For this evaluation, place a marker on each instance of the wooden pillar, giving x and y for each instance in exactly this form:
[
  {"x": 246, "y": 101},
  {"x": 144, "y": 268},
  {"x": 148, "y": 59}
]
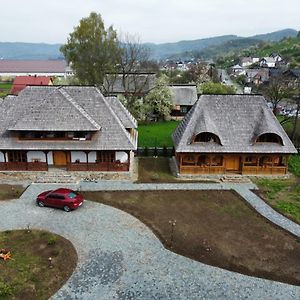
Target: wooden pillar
[{"x": 5, "y": 153}]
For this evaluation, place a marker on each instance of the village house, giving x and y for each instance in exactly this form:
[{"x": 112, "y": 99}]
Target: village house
[
  {"x": 20, "y": 82},
  {"x": 52, "y": 68},
  {"x": 257, "y": 76},
  {"x": 231, "y": 134},
  {"x": 183, "y": 98},
  {"x": 138, "y": 84},
  {"x": 71, "y": 127},
  {"x": 268, "y": 62}
]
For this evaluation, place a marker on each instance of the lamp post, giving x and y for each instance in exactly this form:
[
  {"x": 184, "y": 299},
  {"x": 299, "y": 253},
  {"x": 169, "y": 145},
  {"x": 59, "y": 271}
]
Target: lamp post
[{"x": 173, "y": 224}]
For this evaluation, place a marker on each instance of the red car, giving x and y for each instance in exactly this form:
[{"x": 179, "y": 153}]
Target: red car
[{"x": 62, "y": 198}]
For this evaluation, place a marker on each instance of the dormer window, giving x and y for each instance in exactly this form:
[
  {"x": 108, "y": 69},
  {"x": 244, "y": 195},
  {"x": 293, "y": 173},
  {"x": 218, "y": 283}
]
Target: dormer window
[
  {"x": 207, "y": 137},
  {"x": 269, "y": 138}
]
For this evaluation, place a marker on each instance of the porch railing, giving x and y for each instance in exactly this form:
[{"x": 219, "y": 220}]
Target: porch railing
[{"x": 23, "y": 166}]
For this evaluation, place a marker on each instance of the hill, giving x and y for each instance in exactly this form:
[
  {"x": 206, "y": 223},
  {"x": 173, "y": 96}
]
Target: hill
[
  {"x": 29, "y": 51},
  {"x": 208, "y": 48}
]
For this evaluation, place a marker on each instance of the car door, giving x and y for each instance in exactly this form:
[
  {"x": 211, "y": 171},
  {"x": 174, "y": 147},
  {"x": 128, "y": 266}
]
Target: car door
[{"x": 50, "y": 200}]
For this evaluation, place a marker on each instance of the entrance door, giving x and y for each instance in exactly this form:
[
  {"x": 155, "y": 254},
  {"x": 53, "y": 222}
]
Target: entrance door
[
  {"x": 232, "y": 163},
  {"x": 60, "y": 158}
]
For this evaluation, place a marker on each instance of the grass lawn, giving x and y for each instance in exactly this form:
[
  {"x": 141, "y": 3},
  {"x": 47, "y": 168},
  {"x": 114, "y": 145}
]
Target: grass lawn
[
  {"x": 283, "y": 194},
  {"x": 213, "y": 227},
  {"x": 156, "y": 134},
  {"x": 28, "y": 275},
  {"x": 8, "y": 192},
  {"x": 155, "y": 170},
  {"x": 5, "y": 88}
]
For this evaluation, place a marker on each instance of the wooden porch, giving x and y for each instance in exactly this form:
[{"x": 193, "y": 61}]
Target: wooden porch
[{"x": 195, "y": 163}]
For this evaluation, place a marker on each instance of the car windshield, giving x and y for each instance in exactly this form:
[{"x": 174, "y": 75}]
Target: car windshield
[{"x": 72, "y": 195}]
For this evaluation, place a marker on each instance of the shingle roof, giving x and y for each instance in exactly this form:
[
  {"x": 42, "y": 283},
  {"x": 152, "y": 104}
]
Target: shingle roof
[
  {"x": 123, "y": 114},
  {"x": 183, "y": 94},
  {"x": 20, "y": 82},
  {"x": 134, "y": 83},
  {"x": 68, "y": 108},
  {"x": 237, "y": 120}
]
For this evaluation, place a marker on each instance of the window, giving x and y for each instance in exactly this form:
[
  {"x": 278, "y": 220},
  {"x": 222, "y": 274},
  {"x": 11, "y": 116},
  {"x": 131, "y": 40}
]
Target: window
[
  {"x": 217, "y": 160},
  {"x": 269, "y": 138},
  {"x": 201, "y": 160},
  {"x": 207, "y": 137},
  {"x": 188, "y": 160},
  {"x": 105, "y": 156},
  {"x": 17, "y": 156},
  {"x": 183, "y": 109},
  {"x": 72, "y": 195}
]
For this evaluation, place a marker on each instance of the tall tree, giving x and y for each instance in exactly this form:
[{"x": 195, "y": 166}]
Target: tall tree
[
  {"x": 275, "y": 91},
  {"x": 159, "y": 98},
  {"x": 92, "y": 50}
]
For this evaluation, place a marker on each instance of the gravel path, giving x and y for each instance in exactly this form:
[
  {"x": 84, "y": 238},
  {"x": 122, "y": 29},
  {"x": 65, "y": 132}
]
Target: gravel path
[{"x": 120, "y": 258}]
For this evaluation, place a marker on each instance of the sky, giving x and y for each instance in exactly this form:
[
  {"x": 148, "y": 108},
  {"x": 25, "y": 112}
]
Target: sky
[{"x": 155, "y": 21}]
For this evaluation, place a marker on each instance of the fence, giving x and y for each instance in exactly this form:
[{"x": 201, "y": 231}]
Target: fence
[{"x": 155, "y": 151}]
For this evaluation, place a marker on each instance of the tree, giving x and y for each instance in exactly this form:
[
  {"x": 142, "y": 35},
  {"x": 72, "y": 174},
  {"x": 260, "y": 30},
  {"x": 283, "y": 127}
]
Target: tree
[
  {"x": 275, "y": 91},
  {"x": 215, "y": 88},
  {"x": 159, "y": 98},
  {"x": 92, "y": 50}
]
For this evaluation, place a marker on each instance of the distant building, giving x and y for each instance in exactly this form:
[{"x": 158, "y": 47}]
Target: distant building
[
  {"x": 268, "y": 62},
  {"x": 183, "y": 98},
  {"x": 13, "y": 68},
  {"x": 20, "y": 82},
  {"x": 129, "y": 83}
]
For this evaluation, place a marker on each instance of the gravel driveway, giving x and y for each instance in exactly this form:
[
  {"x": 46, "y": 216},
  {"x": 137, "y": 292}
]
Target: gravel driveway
[{"x": 120, "y": 258}]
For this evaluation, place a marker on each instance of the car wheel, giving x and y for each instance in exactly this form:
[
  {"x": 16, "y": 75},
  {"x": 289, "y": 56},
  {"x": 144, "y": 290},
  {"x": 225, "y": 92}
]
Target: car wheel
[
  {"x": 67, "y": 208},
  {"x": 41, "y": 204}
]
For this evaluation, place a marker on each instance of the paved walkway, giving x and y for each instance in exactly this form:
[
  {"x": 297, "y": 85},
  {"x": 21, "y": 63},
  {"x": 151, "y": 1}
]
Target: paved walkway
[{"x": 120, "y": 258}]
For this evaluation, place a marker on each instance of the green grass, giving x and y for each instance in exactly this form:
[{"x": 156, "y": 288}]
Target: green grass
[
  {"x": 5, "y": 88},
  {"x": 294, "y": 164},
  {"x": 156, "y": 134},
  {"x": 283, "y": 195}
]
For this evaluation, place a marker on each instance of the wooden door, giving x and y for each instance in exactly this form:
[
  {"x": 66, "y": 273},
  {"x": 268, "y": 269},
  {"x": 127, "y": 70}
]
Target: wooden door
[
  {"x": 59, "y": 158},
  {"x": 232, "y": 163}
]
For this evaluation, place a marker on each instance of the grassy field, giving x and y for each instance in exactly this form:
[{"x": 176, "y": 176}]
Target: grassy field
[
  {"x": 156, "y": 134},
  {"x": 213, "y": 227},
  {"x": 5, "y": 88},
  {"x": 284, "y": 194},
  {"x": 29, "y": 275}
]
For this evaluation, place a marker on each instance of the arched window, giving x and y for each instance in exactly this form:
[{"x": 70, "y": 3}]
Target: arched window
[
  {"x": 207, "y": 137},
  {"x": 269, "y": 138}
]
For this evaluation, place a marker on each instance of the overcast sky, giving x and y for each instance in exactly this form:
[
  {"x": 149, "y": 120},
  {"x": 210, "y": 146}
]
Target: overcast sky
[{"x": 152, "y": 20}]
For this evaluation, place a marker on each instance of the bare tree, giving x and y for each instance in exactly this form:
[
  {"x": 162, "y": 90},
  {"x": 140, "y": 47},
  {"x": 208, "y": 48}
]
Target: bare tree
[{"x": 135, "y": 76}]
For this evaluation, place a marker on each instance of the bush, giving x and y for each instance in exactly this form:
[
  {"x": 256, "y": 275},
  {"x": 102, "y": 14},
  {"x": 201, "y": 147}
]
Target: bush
[
  {"x": 5, "y": 289},
  {"x": 52, "y": 240},
  {"x": 294, "y": 164}
]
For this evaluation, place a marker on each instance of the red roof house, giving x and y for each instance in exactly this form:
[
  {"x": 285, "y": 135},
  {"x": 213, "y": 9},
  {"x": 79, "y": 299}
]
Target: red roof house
[{"x": 20, "y": 82}]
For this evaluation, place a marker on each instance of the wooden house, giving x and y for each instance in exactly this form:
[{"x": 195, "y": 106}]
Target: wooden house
[
  {"x": 70, "y": 127},
  {"x": 183, "y": 98},
  {"x": 231, "y": 134}
]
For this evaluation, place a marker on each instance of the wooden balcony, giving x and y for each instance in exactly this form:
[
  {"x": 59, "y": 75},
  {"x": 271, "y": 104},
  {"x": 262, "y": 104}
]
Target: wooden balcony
[
  {"x": 99, "y": 167},
  {"x": 23, "y": 166}
]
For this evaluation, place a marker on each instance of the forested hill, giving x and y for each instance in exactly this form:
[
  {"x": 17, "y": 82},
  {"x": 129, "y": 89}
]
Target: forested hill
[
  {"x": 207, "y": 48},
  {"x": 288, "y": 48}
]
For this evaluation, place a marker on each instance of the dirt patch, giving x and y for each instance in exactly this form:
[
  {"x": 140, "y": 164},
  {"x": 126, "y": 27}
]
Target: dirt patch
[
  {"x": 157, "y": 170},
  {"x": 8, "y": 192},
  {"x": 214, "y": 227},
  {"x": 29, "y": 274}
]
